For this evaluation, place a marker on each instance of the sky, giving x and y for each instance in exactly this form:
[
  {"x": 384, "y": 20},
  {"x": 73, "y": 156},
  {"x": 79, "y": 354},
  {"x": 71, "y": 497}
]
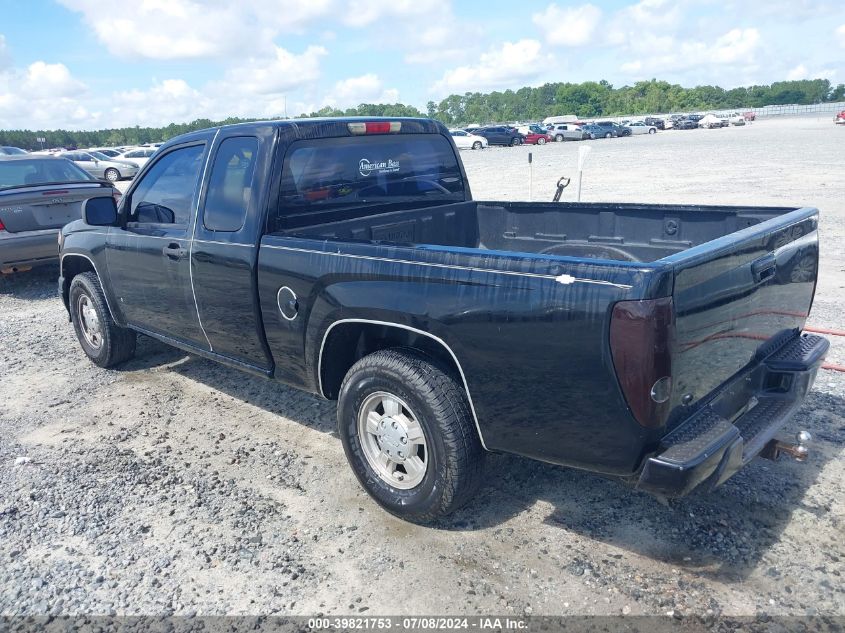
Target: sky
[{"x": 83, "y": 64}]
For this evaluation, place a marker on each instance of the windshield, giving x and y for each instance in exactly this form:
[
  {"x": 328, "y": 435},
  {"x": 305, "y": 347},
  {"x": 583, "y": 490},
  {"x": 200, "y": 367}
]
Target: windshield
[
  {"x": 12, "y": 151},
  {"x": 14, "y": 173},
  {"x": 335, "y": 173}
]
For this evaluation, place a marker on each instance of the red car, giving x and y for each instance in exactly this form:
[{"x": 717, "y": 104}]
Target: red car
[
  {"x": 839, "y": 119},
  {"x": 535, "y": 135}
]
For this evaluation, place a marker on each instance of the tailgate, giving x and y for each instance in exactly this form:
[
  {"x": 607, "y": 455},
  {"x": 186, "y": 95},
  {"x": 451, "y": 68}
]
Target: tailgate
[
  {"x": 50, "y": 206},
  {"x": 737, "y": 297}
]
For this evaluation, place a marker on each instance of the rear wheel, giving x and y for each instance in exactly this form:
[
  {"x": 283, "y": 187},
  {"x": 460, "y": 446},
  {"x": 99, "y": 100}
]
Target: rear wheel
[
  {"x": 609, "y": 135},
  {"x": 541, "y": 141},
  {"x": 476, "y": 145},
  {"x": 102, "y": 340},
  {"x": 112, "y": 174},
  {"x": 408, "y": 435},
  {"x": 651, "y": 130}
]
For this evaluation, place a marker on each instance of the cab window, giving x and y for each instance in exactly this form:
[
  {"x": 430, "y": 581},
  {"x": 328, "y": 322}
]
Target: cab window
[
  {"x": 230, "y": 184},
  {"x": 166, "y": 193}
]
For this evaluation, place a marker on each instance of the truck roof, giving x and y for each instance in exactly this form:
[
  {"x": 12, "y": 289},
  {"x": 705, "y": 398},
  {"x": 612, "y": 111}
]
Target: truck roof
[{"x": 316, "y": 127}]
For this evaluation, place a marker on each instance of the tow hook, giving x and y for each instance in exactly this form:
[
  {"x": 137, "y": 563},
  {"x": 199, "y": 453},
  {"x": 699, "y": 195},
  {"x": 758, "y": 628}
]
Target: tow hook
[{"x": 775, "y": 447}]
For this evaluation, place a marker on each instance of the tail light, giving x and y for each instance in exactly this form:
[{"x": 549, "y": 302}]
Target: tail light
[
  {"x": 117, "y": 195},
  {"x": 641, "y": 338},
  {"x": 374, "y": 127},
  {"x": 2, "y": 226}
]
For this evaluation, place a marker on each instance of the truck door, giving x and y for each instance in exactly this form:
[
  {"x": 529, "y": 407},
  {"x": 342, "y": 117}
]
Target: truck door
[
  {"x": 225, "y": 249},
  {"x": 148, "y": 258}
]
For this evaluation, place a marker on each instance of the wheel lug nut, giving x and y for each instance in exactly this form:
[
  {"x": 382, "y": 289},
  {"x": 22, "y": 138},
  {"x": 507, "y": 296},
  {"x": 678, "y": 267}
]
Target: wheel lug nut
[{"x": 404, "y": 440}]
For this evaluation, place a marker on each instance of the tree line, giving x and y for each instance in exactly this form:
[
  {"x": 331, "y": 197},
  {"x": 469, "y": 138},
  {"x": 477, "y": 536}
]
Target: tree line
[{"x": 588, "y": 99}]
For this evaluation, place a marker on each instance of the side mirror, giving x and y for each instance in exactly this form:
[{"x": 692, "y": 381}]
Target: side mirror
[{"x": 100, "y": 211}]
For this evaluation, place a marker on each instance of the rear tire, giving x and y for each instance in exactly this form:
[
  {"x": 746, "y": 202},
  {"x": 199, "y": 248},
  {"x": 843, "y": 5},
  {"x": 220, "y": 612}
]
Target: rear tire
[
  {"x": 112, "y": 175},
  {"x": 541, "y": 141},
  {"x": 609, "y": 135},
  {"x": 103, "y": 341},
  {"x": 652, "y": 131},
  {"x": 409, "y": 388}
]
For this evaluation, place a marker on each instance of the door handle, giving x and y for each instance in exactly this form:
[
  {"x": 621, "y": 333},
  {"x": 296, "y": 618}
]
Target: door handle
[
  {"x": 763, "y": 268},
  {"x": 174, "y": 251}
]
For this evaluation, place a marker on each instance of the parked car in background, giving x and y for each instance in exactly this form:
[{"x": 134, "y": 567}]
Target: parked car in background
[
  {"x": 749, "y": 116},
  {"x": 500, "y": 135},
  {"x": 102, "y": 166},
  {"x": 839, "y": 119},
  {"x": 8, "y": 150},
  {"x": 622, "y": 130},
  {"x": 656, "y": 122},
  {"x": 465, "y": 140},
  {"x": 534, "y": 135},
  {"x": 685, "y": 124},
  {"x": 736, "y": 119},
  {"x": 596, "y": 131},
  {"x": 38, "y": 195},
  {"x": 611, "y": 129},
  {"x": 696, "y": 118},
  {"x": 710, "y": 121},
  {"x": 137, "y": 156},
  {"x": 567, "y": 132},
  {"x": 111, "y": 152},
  {"x": 640, "y": 127}
]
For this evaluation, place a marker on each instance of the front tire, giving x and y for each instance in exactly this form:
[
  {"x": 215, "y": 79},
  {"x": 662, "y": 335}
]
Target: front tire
[
  {"x": 409, "y": 435},
  {"x": 609, "y": 135},
  {"x": 103, "y": 341},
  {"x": 559, "y": 138},
  {"x": 476, "y": 145},
  {"x": 112, "y": 175},
  {"x": 514, "y": 142}
]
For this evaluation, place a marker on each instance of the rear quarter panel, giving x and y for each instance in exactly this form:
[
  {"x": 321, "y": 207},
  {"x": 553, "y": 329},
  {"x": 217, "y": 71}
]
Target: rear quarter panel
[{"x": 532, "y": 345}]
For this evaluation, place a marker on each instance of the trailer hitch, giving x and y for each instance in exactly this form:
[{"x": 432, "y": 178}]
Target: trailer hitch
[
  {"x": 562, "y": 183},
  {"x": 775, "y": 448}
]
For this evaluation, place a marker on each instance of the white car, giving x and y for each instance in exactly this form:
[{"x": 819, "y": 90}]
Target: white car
[
  {"x": 639, "y": 127},
  {"x": 710, "y": 121},
  {"x": 138, "y": 155},
  {"x": 465, "y": 140}
]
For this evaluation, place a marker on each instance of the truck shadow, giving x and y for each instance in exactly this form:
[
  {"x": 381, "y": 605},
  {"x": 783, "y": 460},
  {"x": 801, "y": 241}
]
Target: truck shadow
[
  {"x": 38, "y": 284},
  {"x": 723, "y": 535}
]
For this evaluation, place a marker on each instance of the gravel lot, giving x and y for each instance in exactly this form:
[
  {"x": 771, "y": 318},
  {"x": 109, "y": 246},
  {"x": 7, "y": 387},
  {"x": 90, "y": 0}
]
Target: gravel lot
[{"x": 175, "y": 485}]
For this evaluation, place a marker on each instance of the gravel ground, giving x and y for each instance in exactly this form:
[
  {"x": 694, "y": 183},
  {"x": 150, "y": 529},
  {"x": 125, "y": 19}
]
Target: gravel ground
[{"x": 175, "y": 485}]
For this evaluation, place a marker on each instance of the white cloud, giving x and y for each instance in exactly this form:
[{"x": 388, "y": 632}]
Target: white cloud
[
  {"x": 443, "y": 41},
  {"x": 568, "y": 26},
  {"x": 5, "y": 60},
  {"x": 799, "y": 72},
  {"x": 279, "y": 73},
  {"x": 364, "y": 12},
  {"x": 190, "y": 29},
  {"x": 736, "y": 49},
  {"x": 41, "y": 95},
  {"x": 367, "y": 88},
  {"x": 508, "y": 66},
  {"x": 840, "y": 35}
]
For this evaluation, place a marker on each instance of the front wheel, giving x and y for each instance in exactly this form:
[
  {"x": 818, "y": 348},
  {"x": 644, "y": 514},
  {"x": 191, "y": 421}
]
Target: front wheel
[
  {"x": 112, "y": 174},
  {"x": 559, "y": 138},
  {"x": 476, "y": 145},
  {"x": 102, "y": 340},
  {"x": 408, "y": 435},
  {"x": 608, "y": 135}
]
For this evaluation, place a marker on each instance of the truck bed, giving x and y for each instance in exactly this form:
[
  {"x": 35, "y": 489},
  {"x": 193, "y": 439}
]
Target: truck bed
[{"x": 608, "y": 231}]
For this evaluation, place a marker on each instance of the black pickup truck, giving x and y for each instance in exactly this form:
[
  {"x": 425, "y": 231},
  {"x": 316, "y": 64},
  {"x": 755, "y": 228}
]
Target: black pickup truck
[{"x": 346, "y": 257}]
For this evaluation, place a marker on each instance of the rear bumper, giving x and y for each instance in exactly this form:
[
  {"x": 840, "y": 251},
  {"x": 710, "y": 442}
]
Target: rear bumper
[
  {"x": 29, "y": 248},
  {"x": 707, "y": 448}
]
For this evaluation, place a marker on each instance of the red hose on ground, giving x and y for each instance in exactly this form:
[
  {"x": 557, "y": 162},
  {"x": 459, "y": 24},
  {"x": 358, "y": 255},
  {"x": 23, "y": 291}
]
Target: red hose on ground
[
  {"x": 824, "y": 330},
  {"x": 833, "y": 367}
]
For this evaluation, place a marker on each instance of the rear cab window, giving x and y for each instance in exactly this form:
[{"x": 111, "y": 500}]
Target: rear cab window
[{"x": 365, "y": 172}]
